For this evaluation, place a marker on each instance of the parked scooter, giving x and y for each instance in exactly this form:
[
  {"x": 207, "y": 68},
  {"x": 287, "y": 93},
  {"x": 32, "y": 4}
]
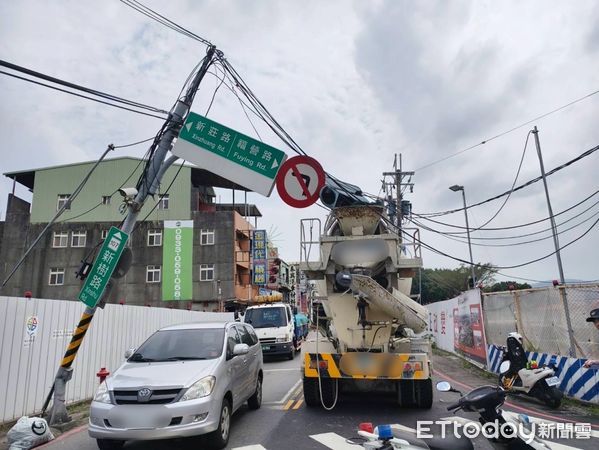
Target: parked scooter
[
  {"x": 519, "y": 378},
  {"x": 503, "y": 429}
]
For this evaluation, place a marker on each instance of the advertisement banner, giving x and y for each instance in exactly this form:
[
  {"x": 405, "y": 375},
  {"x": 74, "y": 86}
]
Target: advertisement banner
[
  {"x": 469, "y": 336},
  {"x": 259, "y": 257},
  {"x": 177, "y": 251}
]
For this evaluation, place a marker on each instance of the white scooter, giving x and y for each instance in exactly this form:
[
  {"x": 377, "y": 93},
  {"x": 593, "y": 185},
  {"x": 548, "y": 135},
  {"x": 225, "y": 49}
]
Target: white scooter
[{"x": 540, "y": 383}]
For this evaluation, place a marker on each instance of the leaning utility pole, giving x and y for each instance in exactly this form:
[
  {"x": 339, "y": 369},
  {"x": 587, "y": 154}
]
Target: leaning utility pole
[
  {"x": 149, "y": 185},
  {"x": 562, "y": 280}
]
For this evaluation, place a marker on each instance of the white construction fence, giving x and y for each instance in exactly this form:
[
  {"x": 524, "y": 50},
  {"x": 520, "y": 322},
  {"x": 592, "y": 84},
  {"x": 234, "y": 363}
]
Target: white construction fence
[{"x": 34, "y": 335}]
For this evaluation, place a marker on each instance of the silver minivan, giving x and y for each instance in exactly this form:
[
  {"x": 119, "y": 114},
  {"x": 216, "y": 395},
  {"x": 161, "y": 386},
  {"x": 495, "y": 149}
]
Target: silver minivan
[{"x": 184, "y": 380}]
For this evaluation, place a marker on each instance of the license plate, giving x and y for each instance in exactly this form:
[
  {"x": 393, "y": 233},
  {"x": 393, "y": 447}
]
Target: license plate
[
  {"x": 552, "y": 381},
  {"x": 265, "y": 347}
]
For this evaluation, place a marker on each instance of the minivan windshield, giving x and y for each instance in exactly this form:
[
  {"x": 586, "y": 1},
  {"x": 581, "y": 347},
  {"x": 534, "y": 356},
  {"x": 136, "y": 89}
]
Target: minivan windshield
[
  {"x": 266, "y": 317},
  {"x": 180, "y": 345}
]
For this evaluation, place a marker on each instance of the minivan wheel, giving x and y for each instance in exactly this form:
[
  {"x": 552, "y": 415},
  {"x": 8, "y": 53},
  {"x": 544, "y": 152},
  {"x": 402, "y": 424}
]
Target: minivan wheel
[
  {"x": 109, "y": 444},
  {"x": 219, "y": 438},
  {"x": 255, "y": 400}
]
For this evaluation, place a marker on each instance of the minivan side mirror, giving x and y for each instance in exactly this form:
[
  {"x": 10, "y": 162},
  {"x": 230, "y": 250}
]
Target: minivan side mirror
[
  {"x": 241, "y": 349},
  {"x": 129, "y": 352}
]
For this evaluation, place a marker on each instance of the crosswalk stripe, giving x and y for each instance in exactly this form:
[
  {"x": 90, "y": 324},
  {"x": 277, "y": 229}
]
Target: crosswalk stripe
[
  {"x": 334, "y": 441},
  {"x": 250, "y": 447}
]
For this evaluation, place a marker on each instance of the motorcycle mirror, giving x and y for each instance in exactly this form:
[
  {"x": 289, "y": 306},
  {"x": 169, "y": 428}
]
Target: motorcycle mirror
[
  {"x": 443, "y": 386},
  {"x": 504, "y": 367}
]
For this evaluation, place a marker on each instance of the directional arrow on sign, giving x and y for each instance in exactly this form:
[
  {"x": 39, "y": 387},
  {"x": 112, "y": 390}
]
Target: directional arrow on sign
[
  {"x": 188, "y": 126},
  {"x": 299, "y": 181}
]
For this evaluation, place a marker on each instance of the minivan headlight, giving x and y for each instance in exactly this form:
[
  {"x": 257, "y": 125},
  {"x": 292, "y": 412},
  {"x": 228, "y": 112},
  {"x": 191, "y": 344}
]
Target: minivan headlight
[
  {"x": 200, "y": 388},
  {"x": 102, "y": 394}
]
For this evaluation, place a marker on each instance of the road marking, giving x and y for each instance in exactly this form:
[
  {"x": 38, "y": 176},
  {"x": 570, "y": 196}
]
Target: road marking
[
  {"x": 250, "y": 447},
  {"x": 299, "y": 403},
  {"x": 283, "y": 370},
  {"x": 334, "y": 441},
  {"x": 288, "y": 404}
]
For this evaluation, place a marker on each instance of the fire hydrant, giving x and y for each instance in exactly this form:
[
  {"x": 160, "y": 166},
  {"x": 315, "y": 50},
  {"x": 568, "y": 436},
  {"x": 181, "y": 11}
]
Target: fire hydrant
[{"x": 102, "y": 374}]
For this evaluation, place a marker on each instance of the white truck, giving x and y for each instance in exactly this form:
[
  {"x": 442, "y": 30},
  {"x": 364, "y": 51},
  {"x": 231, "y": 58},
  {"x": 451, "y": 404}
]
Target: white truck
[
  {"x": 274, "y": 326},
  {"x": 365, "y": 319}
]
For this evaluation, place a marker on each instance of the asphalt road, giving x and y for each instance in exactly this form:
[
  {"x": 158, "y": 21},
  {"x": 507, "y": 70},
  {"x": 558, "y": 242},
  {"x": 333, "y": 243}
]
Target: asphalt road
[{"x": 285, "y": 422}]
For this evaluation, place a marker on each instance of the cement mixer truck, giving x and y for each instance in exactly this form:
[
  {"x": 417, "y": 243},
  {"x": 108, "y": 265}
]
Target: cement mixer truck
[{"x": 362, "y": 267}]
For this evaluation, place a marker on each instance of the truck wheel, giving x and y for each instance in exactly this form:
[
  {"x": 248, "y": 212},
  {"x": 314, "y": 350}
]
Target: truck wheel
[
  {"x": 406, "y": 395},
  {"x": 109, "y": 444},
  {"x": 424, "y": 393},
  {"x": 311, "y": 394},
  {"x": 291, "y": 354}
]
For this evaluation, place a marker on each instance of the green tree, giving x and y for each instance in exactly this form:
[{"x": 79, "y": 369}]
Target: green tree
[
  {"x": 443, "y": 284},
  {"x": 506, "y": 286}
]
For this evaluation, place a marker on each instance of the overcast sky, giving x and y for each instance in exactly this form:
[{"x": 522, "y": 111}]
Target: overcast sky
[{"x": 353, "y": 83}]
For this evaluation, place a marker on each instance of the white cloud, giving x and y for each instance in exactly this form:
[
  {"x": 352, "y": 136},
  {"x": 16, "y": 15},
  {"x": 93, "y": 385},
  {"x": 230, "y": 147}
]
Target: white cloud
[{"x": 352, "y": 82}]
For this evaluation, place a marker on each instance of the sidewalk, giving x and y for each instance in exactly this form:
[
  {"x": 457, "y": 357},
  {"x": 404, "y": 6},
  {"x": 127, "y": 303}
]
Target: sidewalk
[{"x": 464, "y": 376}]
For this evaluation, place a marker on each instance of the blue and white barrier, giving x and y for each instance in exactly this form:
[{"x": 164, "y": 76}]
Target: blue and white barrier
[{"x": 575, "y": 380}]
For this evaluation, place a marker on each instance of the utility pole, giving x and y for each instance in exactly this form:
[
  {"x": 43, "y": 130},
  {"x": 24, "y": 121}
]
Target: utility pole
[
  {"x": 398, "y": 176},
  {"x": 562, "y": 288},
  {"x": 149, "y": 186}
]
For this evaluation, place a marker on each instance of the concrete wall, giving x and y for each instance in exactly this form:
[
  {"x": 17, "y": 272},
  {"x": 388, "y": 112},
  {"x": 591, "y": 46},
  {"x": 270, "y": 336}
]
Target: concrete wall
[
  {"x": 105, "y": 180},
  {"x": 34, "y": 334}
]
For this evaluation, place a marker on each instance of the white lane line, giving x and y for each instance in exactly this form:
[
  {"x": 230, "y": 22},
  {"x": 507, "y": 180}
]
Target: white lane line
[
  {"x": 250, "y": 447},
  {"x": 334, "y": 441},
  {"x": 288, "y": 394},
  {"x": 293, "y": 369}
]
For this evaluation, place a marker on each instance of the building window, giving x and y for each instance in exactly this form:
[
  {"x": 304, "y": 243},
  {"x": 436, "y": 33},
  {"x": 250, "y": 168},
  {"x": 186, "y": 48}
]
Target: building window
[
  {"x": 62, "y": 201},
  {"x": 163, "y": 202},
  {"x": 103, "y": 234},
  {"x": 61, "y": 239},
  {"x": 154, "y": 238},
  {"x": 56, "y": 276},
  {"x": 106, "y": 199},
  {"x": 206, "y": 237},
  {"x": 152, "y": 274},
  {"x": 78, "y": 238},
  {"x": 206, "y": 272}
]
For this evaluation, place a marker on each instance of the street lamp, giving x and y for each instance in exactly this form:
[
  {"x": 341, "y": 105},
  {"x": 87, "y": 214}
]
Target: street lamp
[{"x": 456, "y": 188}]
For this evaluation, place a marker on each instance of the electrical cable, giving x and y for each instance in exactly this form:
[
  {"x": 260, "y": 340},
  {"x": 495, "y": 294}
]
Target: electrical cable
[
  {"x": 78, "y": 87},
  {"x": 146, "y": 11},
  {"x": 511, "y": 227},
  {"x": 528, "y": 183},
  {"x": 542, "y": 116},
  {"x": 550, "y": 236},
  {"x": 82, "y": 96}
]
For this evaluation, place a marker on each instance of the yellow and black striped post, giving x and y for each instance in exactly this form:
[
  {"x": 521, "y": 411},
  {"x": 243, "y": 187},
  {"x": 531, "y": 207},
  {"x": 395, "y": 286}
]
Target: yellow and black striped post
[{"x": 77, "y": 339}]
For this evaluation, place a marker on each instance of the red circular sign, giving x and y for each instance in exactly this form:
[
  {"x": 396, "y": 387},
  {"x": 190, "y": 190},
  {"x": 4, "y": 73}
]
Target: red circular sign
[{"x": 300, "y": 180}]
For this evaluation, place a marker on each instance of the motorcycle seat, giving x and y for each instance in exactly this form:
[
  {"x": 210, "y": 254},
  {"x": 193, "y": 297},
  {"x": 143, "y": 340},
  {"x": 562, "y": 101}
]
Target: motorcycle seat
[{"x": 449, "y": 442}]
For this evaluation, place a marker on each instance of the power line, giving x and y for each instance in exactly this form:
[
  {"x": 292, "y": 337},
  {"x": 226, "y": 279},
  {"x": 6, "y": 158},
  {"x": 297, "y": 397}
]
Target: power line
[
  {"x": 522, "y": 186},
  {"x": 146, "y": 11},
  {"x": 80, "y": 95},
  {"x": 77, "y": 87},
  {"x": 511, "y": 227},
  {"x": 542, "y": 116}
]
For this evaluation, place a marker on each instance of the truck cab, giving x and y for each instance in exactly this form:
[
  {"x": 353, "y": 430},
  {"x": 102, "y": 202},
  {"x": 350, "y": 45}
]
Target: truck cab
[{"x": 274, "y": 325}]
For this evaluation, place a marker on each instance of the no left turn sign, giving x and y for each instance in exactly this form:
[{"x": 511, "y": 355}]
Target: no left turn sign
[{"x": 299, "y": 181}]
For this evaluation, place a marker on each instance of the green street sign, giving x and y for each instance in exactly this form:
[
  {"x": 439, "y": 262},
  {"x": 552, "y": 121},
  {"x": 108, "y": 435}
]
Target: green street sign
[
  {"x": 105, "y": 263},
  {"x": 229, "y": 153}
]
